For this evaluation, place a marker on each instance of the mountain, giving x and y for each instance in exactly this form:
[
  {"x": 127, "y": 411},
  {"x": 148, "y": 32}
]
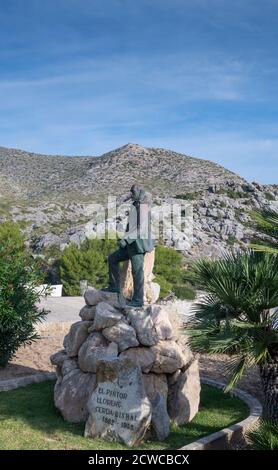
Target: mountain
[
  {"x": 52, "y": 197},
  {"x": 164, "y": 172}
]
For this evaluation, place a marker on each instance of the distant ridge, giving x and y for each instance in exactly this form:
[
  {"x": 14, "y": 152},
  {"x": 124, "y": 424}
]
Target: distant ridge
[
  {"x": 164, "y": 172},
  {"x": 53, "y": 197}
]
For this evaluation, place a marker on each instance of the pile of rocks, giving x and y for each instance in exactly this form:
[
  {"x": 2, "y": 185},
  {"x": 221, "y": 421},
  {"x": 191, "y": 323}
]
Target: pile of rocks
[{"x": 125, "y": 372}]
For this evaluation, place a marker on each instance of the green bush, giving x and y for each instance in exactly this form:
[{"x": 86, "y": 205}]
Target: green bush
[
  {"x": 231, "y": 240},
  {"x": 87, "y": 262},
  {"x": 184, "y": 292},
  {"x": 231, "y": 193},
  {"x": 11, "y": 238},
  {"x": 171, "y": 274},
  {"x": 19, "y": 276},
  {"x": 269, "y": 196},
  {"x": 166, "y": 287},
  {"x": 188, "y": 196},
  {"x": 90, "y": 262}
]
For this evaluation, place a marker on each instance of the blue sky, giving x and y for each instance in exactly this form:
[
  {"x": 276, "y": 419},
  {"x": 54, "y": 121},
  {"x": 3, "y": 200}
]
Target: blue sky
[{"x": 81, "y": 77}]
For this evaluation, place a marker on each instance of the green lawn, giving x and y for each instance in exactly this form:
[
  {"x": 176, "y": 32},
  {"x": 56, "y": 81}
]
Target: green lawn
[{"x": 29, "y": 420}]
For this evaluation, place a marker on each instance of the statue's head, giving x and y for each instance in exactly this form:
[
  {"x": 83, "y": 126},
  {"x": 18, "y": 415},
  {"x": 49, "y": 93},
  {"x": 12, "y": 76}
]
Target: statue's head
[{"x": 136, "y": 192}]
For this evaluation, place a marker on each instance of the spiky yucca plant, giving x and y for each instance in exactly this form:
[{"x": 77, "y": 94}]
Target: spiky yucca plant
[
  {"x": 266, "y": 224},
  {"x": 234, "y": 317}
]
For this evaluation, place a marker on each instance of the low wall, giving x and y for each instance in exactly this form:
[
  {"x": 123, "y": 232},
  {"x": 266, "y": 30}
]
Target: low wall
[{"x": 233, "y": 434}]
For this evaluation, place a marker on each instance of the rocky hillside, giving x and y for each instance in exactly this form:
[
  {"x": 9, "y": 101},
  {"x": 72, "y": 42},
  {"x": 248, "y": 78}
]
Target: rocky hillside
[
  {"x": 44, "y": 177},
  {"x": 52, "y": 196}
]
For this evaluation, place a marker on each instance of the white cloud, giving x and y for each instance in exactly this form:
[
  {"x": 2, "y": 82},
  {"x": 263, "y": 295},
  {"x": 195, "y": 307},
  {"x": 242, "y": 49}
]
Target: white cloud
[{"x": 181, "y": 75}]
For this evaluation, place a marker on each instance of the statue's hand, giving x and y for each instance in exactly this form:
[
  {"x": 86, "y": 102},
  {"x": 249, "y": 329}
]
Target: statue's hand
[{"x": 122, "y": 243}]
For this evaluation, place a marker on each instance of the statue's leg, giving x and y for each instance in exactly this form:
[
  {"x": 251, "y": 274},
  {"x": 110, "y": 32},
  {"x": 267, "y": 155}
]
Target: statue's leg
[
  {"x": 114, "y": 272},
  {"x": 137, "y": 263}
]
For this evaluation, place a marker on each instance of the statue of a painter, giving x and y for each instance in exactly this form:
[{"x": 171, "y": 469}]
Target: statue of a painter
[{"x": 133, "y": 246}]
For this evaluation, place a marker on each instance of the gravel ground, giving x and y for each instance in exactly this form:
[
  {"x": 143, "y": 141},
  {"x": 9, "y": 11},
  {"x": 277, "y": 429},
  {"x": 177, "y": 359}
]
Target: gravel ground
[
  {"x": 214, "y": 367},
  {"x": 33, "y": 358}
]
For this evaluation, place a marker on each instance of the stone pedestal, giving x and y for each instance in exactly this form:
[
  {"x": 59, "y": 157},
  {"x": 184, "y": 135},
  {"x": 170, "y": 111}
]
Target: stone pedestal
[{"x": 125, "y": 372}]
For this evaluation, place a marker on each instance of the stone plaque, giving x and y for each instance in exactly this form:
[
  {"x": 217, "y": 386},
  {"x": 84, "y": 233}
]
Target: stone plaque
[{"x": 119, "y": 409}]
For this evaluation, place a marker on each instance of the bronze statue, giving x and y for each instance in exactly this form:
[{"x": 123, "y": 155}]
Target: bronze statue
[{"x": 136, "y": 242}]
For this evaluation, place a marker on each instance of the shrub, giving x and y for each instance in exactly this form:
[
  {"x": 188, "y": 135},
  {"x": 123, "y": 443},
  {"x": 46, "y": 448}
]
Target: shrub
[
  {"x": 232, "y": 194},
  {"x": 184, "y": 292},
  {"x": 269, "y": 196},
  {"x": 238, "y": 316},
  {"x": 266, "y": 224},
  {"x": 171, "y": 274},
  {"x": 11, "y": 238},
  {"x": 166, "y": 287},
  {"x": 188, "y": 196},
  {"x": 90, "y": 262},
  {"x": 87, "y": 262},
  {"x": 231, "y": 240},
  {"x": 19, "y": 276}
]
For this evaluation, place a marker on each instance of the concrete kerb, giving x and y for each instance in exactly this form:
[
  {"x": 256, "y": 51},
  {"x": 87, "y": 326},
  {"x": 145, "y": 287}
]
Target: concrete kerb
[
  {"x": 17, "y": 382},
  {"x": 233, "y": 434}
]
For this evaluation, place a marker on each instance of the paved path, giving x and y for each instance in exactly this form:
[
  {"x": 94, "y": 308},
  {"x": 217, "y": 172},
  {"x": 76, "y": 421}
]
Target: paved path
[
  {"x": 62, "y": 309},
  {"x": 66, "y": 309}
]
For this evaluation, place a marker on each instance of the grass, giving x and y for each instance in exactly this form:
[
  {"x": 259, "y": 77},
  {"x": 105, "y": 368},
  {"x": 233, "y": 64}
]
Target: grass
[{"x": 29, "y": 420}]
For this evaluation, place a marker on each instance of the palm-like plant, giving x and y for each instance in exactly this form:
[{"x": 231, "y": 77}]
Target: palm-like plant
[
  {"x": 234, "y": 317},
  {"x": 266, "y": 224}
]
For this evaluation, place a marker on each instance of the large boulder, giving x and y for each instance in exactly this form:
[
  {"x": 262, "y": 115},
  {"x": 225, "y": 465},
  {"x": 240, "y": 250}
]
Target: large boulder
[
  {"x": 94, "y": 296},
  {"x": 186, "y": 351},
  {"x": 142, "y": 322},
  {"x": 119, "y": 409},
  {"x": 174, "y": 318},
  {"x": 105, "y": 316},
  {"x": 122, "y": 334},
  {"x": 58, "y": 358},
  {"x": 71, "y": 395},
  {"x": 184, "y": 394},
  {"x": 152, "y": 292},
  {"x": 77, "y": 334},
  {"x": 157, "y": 389},
  {"x": 87, "y": 313},
  {"x": 142, "y": 356},
  {"x": 95, "y": 347},
  {"x": 161, "y": 322},
  {"x": 168, "y": 357},
  {"x": 68, "y": 365},
  {"x": 151, "y": 289}
]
